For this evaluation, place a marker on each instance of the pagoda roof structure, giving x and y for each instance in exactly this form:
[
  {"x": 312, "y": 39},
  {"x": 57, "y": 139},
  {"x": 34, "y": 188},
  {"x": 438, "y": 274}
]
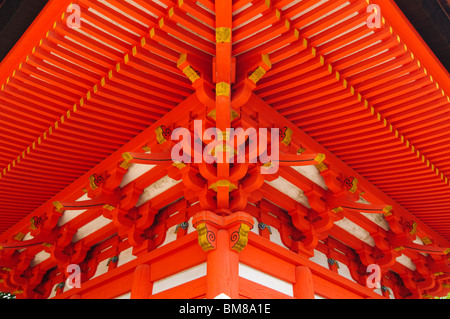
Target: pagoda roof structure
[{"x": 87, "y": 111}]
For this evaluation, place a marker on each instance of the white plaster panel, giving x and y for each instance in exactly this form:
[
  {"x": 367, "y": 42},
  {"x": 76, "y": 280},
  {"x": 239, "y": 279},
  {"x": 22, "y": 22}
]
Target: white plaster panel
[
  {"x": 320, "y": 259},
  {"x": 345, "y": 272},
  {"x": 266, "y": 280},
  {"x": 179, "y": 278},
  {"x": 391, "y": 293},
  {"x": 378, "y": 219},
  {"x": 419, "y": 241},
  {"x": 170, "y": 236},
  {"x": 190, "y": 227},
  {"x": 52, "y": 292},
  {"x": 255, "y": 228},
  {"x": 71, "y": 214},
  {"x": 406, "y": 261},
  {"x": 124, "y": 296},
  {"x": 27, "y": 237},
  {"x": 378, "y": 291},
  {"x": 156, "y": 189},
  {"x": 39, "y": 257},
  {"x": 90, "y": 228},
  {"x": 290, "y": 190},
  {"x": 312, "y": 173},
  {"x": 356, "y": 230},
  {"x": 125, "y": 256},
  {"x": 276, "y": 237},
  {"x": 133, "y": 172},
  {"x": 102, "y": 268}
]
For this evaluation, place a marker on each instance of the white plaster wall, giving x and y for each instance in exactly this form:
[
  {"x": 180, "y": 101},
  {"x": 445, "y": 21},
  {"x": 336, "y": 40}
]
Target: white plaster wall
[
  {"x": 378, "y": 291},
  {"x": 39, "y": 257},
  {"x": 320, "y": 259},
  {"x": 124, "y": 296},
  {"x": 419, "y": 241},
  {"x": 125, "y": 256},
  {"x": 90, "y": 228},
  {"x": 67, "y": 287},
  {"x": 156, "y": 188},
  {"x": 345, "y": 272},
  {"x": 102, "y": 268},
  {"x": 190, "y": 227},
  {"x": 68, "y": 215},
  {"x": 27, "y": 236},
  {"x": 290, "y": 190},
  {"x": 391, "y": 293},
  {"x": 312, "y": 173},
  {"x": 376, "y": 218},
  {"x": 276, "y": 237},
  {"x": 266, "y": 280},
  {"x": 406, "y": 261},
  {"x": 255, "y": 228},
  {"x": 170, "y": 236},
  {"x": 357, "y": 231},
  {"x": 134, "y": 171},
  {"x": 179, "y": 278},
  {"x": 52, "y": 292}
]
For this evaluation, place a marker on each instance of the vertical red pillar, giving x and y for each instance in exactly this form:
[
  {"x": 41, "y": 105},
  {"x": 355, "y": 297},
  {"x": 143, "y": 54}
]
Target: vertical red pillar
[
  {"x": 223, "y": 87},
  {"x": 223, "y": 238},
  {"x": 303, "y": 287},
  {"x": 223, "y": 63},
  {"x": 222, "y": 268},
  {"x": 142, "y": 286}
]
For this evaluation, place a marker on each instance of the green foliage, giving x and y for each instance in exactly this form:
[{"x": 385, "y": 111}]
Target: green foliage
[{"x": 6, "y": 295}]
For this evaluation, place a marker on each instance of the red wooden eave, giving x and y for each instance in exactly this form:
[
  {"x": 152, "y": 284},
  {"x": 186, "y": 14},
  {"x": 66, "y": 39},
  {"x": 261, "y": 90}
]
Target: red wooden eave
[{"x": 373, "y": 100}]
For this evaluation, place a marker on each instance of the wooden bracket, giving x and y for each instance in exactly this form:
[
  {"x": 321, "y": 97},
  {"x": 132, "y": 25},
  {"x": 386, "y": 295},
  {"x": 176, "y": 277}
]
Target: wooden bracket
[{"x": 237, "y": 224}]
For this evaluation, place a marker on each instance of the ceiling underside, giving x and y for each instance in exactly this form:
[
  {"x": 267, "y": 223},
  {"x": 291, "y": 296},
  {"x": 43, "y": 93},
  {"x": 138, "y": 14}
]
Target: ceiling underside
[{"x": 80, "y": 94}]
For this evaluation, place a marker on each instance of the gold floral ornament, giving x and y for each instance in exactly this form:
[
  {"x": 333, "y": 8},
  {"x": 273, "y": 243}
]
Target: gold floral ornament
[
  {"x": 240, "y": 237},
  {"x": 223, "y": 183},
  {"x": 285, "y": 135},
  {"x": 256, "y": 75},
  {"x": 387, "y": 211},
  {"x": 223, "y": 35},
  {"x": 163, "y": 134},
  {"x": 95, "y": 180},
  {"x": 222, "y": 89},
  {"x": 206, "y": 238},
  {"x": 237, "y": 225},
  {"x": 351, "y": 184}
]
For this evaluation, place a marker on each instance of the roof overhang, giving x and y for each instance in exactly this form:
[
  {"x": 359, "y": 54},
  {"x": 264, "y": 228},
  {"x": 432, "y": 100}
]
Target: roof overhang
[{"x": 382, "y": 118}]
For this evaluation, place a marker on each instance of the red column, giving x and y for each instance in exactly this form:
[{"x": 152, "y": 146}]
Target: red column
[
  {"x": 303, "y": 287},
  {"x": 222, "y": 237},
  {"x": 222, "y": 268},
  {"x": 223, "y": 63},
  {"x": 142, "y": 286},
  {"x": 223, "y": 87}
]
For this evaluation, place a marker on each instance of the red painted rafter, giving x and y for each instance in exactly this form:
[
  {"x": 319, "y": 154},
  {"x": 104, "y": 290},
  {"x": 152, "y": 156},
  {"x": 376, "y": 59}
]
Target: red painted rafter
[{"x": 325, "y": 77}]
